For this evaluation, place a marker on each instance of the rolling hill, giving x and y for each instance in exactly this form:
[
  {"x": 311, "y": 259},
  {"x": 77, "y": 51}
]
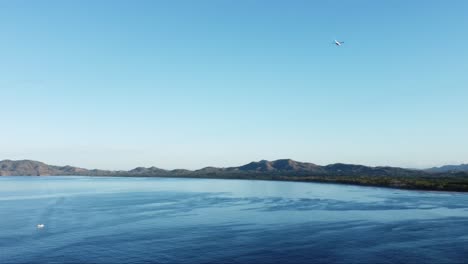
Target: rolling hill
[{"x": 447, "y": 178}]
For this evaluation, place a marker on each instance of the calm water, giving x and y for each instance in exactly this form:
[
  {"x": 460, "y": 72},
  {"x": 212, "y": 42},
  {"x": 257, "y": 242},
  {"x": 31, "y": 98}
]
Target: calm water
[{"x": 160, "y": 220}]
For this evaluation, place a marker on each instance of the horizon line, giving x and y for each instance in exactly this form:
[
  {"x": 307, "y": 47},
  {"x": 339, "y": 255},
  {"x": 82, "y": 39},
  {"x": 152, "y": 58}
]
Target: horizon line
[{"x": 152, "y": 166}]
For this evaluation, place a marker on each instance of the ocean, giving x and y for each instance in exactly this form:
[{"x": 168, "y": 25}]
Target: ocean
[{"x": 170, "y": 220}]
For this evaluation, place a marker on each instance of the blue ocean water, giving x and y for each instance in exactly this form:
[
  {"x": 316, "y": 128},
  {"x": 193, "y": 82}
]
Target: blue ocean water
[{"x": 165, "y": 220}]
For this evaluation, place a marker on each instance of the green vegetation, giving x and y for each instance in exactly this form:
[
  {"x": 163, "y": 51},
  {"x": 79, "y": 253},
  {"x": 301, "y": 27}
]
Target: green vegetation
[
  {"x": 437, "y": 183},
  {"x": 279, "y": 170},
  {"x": 459, "y": 184}
]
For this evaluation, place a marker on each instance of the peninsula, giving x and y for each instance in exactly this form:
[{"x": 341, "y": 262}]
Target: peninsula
[{"x": 446, "y": 178}]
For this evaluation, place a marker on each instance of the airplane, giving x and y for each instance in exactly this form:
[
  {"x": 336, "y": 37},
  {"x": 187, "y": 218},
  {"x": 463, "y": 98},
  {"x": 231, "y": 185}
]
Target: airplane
[{"x": 338, "y": 43}]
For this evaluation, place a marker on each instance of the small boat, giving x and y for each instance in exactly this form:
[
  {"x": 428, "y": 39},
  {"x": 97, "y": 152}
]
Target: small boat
[{"x": 40, "y": 226}]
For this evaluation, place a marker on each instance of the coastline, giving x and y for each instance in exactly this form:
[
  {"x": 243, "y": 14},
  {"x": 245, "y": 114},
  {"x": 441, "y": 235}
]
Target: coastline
[{"x": 305, "y": 179}]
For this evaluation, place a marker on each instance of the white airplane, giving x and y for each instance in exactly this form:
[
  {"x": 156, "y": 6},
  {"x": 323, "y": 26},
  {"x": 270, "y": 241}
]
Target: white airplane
[
  {"x": 40, "y": 226},
  {"x": 338, "y": 43}
]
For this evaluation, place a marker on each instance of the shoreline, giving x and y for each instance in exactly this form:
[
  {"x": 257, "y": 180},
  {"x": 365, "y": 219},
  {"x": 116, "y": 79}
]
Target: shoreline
[{"x": 305, "y": 179}]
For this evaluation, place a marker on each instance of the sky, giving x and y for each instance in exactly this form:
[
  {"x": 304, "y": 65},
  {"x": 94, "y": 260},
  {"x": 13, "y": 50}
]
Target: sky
[{"x": 189, "y": 84}]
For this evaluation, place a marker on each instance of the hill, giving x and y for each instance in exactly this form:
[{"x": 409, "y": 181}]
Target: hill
[
  {"x": 283, "y": 169},
  {"x": 449, "y": 168}
]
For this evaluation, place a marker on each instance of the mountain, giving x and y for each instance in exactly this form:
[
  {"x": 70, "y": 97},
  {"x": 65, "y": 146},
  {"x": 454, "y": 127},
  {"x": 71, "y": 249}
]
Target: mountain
[
  {"x": 36, "y": 168},
  {"x": 449, "y": 168},
  {"x": 284, "y": 167},
  {"x": 444, "y": 178}
]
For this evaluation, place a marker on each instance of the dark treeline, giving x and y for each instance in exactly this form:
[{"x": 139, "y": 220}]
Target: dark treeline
[{"x": 280, "y": 170}]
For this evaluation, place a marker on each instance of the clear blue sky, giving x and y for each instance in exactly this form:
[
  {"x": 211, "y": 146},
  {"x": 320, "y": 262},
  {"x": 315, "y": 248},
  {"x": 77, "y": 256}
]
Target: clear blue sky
[{"x": 188, "y": 84}]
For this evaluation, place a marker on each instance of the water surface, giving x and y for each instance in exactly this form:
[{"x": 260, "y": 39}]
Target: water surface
[{"x": 163, "y": 220}]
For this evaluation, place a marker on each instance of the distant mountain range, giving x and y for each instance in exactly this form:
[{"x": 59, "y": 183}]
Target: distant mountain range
[
  {"x": 449, "y": 168},
  {"x": 442, "y": 178},
  {"x": 283, "y": 167}
]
